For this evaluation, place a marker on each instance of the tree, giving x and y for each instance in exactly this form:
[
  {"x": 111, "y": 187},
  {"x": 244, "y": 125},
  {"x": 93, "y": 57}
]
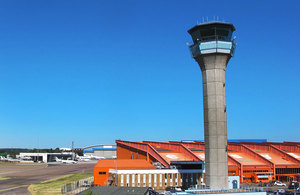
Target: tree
[
  {"x": 79, "y": 152},
  {"x": 13, "y": 153}
]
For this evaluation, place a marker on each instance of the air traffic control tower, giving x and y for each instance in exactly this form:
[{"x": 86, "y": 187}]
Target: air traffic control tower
[{"x": 212, "y": 48}]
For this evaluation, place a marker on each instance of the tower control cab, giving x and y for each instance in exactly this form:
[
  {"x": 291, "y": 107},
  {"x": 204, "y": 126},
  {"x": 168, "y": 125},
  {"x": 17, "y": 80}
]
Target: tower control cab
[{"x": 212, "y": 37}]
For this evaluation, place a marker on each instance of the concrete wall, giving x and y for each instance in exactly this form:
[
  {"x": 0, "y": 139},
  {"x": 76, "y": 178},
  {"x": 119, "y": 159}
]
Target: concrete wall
[{"x": 213, "y": 68}]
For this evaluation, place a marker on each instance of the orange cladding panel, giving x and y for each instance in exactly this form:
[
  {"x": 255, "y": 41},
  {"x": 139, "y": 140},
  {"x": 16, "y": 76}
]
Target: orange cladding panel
[
  {"x": 100, "y": 176},
  {"x": 101, "y": 169},
  {"x": 124, "y": 152}
]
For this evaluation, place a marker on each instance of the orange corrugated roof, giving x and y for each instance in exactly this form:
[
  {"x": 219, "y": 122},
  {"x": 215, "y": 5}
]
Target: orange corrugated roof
[
  {"x": 200, "y": 154},
  {"x": 174, "y": 156},
  {"x": 125, "y": 164},
  {"x": 295, "y": 155},
  {"x": 245, "y": 159},
  {"x": 277, "y": 159}
]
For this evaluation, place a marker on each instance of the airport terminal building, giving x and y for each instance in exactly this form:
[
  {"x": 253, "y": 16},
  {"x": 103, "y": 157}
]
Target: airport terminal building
[
  {"x": 45, "y": 157},
  {"x": 253, "y": 162},
  {"x": 182, "y": 163},
  {"x": 104, "y": 151},
  {"x": 141, "y": 173}
]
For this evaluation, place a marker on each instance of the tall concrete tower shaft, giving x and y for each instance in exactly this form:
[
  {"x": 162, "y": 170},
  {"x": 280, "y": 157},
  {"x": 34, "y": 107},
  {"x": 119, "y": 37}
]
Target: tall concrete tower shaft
[{"x": 212, "y": 50}]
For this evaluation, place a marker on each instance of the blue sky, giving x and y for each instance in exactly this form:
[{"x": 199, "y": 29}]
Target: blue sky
[{"x": 96, "y": 71}]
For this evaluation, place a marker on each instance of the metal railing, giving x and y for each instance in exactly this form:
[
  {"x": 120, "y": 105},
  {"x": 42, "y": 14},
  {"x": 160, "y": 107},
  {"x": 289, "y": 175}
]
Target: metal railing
[
  {"x": 208, "y": 191},
  {"x": 76, "y": 187},
  {"x": 214, "y": 37}
]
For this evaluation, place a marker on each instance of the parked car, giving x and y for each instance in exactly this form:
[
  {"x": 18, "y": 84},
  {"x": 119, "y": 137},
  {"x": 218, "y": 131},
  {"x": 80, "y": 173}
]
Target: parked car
[
  {"x": 281, "y": 191},
  {"x": 278, "y": 183},
  {"x": 173, "y": 189},
  {"x": 294, "y": 185}
]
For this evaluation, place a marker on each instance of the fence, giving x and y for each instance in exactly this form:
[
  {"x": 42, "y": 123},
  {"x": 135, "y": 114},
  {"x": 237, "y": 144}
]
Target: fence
[
  {"x": 208, "y": 191},
  {"x": 253, "y": 189},
  {"x": 74, "y": 188}
]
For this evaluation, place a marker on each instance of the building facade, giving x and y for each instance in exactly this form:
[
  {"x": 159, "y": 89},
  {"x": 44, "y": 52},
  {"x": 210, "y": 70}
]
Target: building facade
[
  {"x": 252, "y": 162},
  {"x": 141, "y": 173},
  {"x": 46, "y": 157},
  {"x": 155, "y": 178},
  {"x": 103, "y": 151}
]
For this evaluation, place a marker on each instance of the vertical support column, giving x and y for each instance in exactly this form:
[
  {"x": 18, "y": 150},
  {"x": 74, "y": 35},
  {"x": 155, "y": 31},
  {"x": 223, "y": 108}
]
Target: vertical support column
[
  {"x": 241, "y": 174},
  {"x": 118, "y": 179},
  {"x": 142, "y": 180},
  {"x": 148, "y": 153},
  {"x": 136, "y": 180},
  {"x": 147, "y": 180},
  {"x": 164, "y": 181},
  {"x": 157, "y": 181},
  {"x": 130, "y": 180},
  {"x": 152, "y": 179},
  {"x": 274, "y": 170},
  {"x": 174, "y": 179},
  {"x": 179, "y": 180},
  {"x": 125, "y": 180},
  {"x": 213, "y": 68}
]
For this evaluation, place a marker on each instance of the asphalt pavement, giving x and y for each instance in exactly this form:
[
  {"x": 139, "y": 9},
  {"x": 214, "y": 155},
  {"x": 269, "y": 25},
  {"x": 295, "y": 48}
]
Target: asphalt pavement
[{"x": 22, "y": 175}]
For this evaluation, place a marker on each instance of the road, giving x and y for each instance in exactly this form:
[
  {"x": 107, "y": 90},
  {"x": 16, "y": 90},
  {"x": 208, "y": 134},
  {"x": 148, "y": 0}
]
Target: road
[{"x": 22, "y": 175}]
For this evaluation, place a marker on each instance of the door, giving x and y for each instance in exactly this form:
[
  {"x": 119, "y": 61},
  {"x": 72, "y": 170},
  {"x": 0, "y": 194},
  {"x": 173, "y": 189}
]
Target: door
[{"x": 234, "y": 184}]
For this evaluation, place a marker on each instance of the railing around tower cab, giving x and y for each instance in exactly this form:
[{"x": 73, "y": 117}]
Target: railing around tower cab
[{"x": 214, "y": 37}]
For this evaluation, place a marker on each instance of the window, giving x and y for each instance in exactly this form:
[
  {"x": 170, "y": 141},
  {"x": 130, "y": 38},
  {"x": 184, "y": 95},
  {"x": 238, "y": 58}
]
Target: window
[
  {"x": 139, "y": 180},
  {"x": 160, "y": 179},
  {"x": 149, "y": 180},
  {"x": 127, "y": 179},
  {"x": 166, "y": 179},
  {"x": 263, "y": 179},
  {"x": 122, "y": 180},
  {"x": 208, "y": 34},
  {"x": 133, "y": 180},
  {"x": 102, "y": 173}
]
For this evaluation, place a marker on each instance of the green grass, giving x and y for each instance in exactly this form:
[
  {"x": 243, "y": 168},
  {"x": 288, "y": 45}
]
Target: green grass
[
  {"x": 3, "y": 162},
  {"x": 53, "y": 186},
  {"x": 3, "y": 178}
]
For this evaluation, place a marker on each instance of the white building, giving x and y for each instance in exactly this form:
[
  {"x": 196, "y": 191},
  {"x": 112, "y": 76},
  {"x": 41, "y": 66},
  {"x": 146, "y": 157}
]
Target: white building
[
  {"x": 46, "y": 157},
  {"x": 104, "y": 151}
]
